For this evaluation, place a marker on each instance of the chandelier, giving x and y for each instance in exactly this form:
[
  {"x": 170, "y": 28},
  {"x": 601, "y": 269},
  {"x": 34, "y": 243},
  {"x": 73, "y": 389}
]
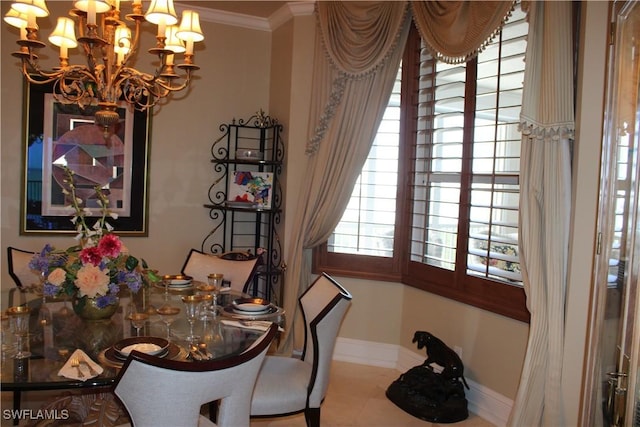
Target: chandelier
[{"x": 108, "y": 46}]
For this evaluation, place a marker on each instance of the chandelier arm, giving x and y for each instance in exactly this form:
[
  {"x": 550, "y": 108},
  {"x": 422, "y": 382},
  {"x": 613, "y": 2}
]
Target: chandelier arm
[{"x": 134, "y": 44}]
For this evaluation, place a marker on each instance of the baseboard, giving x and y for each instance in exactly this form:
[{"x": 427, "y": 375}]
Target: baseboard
[{"x": 483, "y": 401}]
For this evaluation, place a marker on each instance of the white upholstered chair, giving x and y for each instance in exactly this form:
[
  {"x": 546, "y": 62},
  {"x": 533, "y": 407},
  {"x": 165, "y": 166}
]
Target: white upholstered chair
[
  {"x": 18, "y": 263},
  {"x": 159, "y": 392},
  {"x": 239, "y": 272},
  {"x": 288, "y": 385}
]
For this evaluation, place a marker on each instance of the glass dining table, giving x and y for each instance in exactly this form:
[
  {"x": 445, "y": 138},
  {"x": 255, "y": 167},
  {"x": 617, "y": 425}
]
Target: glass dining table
[{"x": 52, "y": 341}]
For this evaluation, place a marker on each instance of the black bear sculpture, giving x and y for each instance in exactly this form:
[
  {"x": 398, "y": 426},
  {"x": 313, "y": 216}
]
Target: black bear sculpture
[
  {"x": 439, "y": 353},
  {"x": 427, "y": 394}
]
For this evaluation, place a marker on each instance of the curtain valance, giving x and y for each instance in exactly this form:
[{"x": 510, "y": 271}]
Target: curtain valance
[
  {"x": 359, "y": 36},
  {"x": 455, "y": 31}
]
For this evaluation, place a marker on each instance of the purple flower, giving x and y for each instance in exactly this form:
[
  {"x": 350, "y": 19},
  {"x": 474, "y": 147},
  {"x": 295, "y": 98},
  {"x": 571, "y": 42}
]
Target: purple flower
[
  {"x": 114, "y": 288},
  {"x": 103, "y": 301},
  {"x": 50, "y": 289},
  {"x": 40, "y": 262},
  {"x": 132, "y": 279}
]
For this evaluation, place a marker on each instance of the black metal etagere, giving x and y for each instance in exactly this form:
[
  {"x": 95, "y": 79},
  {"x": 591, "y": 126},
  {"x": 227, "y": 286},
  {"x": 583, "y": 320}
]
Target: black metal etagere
[{"x": 245, "y": 199}]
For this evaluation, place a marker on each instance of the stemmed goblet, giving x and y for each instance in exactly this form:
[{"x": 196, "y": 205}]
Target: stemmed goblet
[
  {"x": 214, "y": 285},
  {"x": 138, "y": 320},
  {"x": 20, "y": 319},
  {"x": 168, "y": 313},
  {"x": 192, "y": 305}
]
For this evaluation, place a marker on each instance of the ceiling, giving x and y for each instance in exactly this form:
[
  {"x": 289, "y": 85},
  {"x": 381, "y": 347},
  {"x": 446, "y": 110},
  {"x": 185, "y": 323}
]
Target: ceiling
[{"x": 259, "y": 8}]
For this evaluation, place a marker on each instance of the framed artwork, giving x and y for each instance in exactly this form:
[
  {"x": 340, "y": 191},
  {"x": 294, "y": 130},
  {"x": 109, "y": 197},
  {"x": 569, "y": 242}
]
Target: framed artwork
[
  {"x": 251, "y": 187},
  {"x": 57, "y": 135}
]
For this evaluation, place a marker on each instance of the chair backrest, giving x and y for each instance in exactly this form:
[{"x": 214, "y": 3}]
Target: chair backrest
[
  {"x": 239, "y": 272},
  {"x": 160, "y": 392},
  {"x": 324, "y": 305},
  {"x": 18, "y": 263}
]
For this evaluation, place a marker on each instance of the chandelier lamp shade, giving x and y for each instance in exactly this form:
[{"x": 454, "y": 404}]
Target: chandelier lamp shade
[{"x": 108, "y": 45}]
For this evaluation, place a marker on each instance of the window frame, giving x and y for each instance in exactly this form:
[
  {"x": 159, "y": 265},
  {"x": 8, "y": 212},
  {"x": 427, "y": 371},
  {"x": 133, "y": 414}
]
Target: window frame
[{"x": 495, "y": 296}]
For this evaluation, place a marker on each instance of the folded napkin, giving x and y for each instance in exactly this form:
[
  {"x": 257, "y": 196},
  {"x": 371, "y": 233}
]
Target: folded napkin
[
  {"x": 86, "y": 368},
  {"x": 258, "y": 325}
]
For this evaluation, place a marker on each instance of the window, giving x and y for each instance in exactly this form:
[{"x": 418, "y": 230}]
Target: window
[{"x": 436, "y": 204}]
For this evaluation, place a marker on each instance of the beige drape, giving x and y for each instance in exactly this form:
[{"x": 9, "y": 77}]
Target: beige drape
[
  {"x": 349, "y": 101},
  {"x": 547, "y": 123}
]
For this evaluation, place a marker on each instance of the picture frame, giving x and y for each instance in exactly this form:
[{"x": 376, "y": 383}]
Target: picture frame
[{"x": 56, "y": 135}]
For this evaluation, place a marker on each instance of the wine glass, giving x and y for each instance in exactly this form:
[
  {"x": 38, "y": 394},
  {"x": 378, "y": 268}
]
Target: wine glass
[
  {"x": 209, "y": 297},
  {"x": 138, "y": 320},
  {"x": 166, "y": 281},
  {"x": 192, "y": 305},
  {"x": 205, "y": 307},
  {"x": 215, "y": 283},
  {"x": 19, "y": 316},
  {"x": 168, "y": 313}
]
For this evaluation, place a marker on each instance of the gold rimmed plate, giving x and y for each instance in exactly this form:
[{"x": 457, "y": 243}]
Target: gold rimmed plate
[
  {"x": 251, "y": 305},
  {"x": 154, "y": 346},
  {"x": 177, "y": 281},
  {"x": 112, "y": 358}
]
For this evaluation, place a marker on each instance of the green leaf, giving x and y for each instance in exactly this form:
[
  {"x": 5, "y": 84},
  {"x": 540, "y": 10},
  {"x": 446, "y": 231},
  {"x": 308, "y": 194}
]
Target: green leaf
[{"x": 131, "y": 263}]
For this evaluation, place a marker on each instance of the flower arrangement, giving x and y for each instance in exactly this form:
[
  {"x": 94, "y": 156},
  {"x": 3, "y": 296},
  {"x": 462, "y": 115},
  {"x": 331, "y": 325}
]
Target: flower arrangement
[{"x": 98, "y": 265}]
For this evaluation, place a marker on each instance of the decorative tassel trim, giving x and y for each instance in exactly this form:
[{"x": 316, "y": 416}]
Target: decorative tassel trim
[
  {"x": 340, "y": 82},
  {"x": 550, "y": 132}
]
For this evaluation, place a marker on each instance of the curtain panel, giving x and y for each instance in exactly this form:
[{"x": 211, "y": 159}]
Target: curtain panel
[
  {"x": 349, "y": 99},
  {"x": 547, "y": 125}
]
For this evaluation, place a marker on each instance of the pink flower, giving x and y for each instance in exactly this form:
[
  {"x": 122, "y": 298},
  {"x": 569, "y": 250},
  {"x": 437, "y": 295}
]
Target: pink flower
[
  {"x": 91, "y": 256},
  {"x": 57, "y": 277},
  {"x": 110, "y": 245},
  {"x": 92, "y": 281}
]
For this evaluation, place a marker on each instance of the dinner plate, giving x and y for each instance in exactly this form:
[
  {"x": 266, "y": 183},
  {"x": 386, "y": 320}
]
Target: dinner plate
[
  {"x": 253, "y": 305},
  {"x": 150, "y": 345},
  {"x": 111, "y": 356},
  {"x": 250, "y": 308},
  {"x": 271, "y": 310},
  {"x": 122, "y": 357},
  {"x": 177, "y": 280}
]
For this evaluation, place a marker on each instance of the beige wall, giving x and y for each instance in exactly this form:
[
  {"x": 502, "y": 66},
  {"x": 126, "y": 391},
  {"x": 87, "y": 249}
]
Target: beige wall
[{"x": 244, "y": 70}]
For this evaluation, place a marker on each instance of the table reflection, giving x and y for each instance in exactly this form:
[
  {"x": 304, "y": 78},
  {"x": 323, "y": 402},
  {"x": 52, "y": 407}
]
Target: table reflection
[{"x": 52, "y": 342}]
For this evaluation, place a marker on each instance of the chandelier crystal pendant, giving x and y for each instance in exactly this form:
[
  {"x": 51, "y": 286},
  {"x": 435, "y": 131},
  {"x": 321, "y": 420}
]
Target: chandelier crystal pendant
[{"x": 108, "y": 45}]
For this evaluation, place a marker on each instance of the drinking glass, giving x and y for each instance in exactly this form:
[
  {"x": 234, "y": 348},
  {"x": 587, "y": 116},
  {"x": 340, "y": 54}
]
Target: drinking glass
[
  {"x": 209, "y": 298},
  {"x": 138, "y": 320},
  {"x": 7, "y": 345},
  {"x": 215, "y": 283},
  {"x": 192, "y": 306},
  {"x": 19, "y": 316},
  {"x": 168, "y": 313},
  {"x": 205, "y": 307}
]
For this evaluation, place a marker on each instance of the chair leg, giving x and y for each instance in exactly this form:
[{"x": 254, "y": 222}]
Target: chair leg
[{"x": 312, "y": 416}]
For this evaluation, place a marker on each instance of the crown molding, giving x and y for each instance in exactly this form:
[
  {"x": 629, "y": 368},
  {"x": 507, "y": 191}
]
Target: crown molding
[
  {"x": 278, "y": 18},
  {"x": 289, "y": 11}
]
